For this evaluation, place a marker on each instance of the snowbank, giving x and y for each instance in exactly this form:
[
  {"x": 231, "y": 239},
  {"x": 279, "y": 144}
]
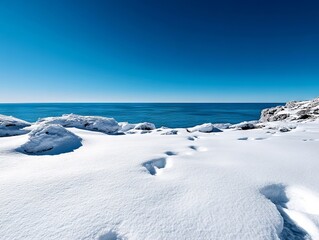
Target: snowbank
[
  {"x": 94, "y": 123},
  {"x": 50, "y": 139},
  {"x": 204, "y": 128},
  {"x": 10, "y": 126},
  {"x": 292, "y": 111}
]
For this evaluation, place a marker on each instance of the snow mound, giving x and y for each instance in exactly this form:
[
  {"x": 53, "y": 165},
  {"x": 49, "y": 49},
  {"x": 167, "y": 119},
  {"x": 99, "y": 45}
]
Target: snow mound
[
  {"x": 205, "y": 128},
  {"x": 50, "y": 139},
  {"x": 93, "y": 123},
  {"x": 10, "y": 126},
  {"x": 293, "y": 111}
]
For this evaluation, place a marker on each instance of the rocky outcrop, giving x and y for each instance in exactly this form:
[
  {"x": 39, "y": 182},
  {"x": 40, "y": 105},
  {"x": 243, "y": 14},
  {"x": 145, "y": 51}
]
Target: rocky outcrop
[{"x": 292, "y": 111}]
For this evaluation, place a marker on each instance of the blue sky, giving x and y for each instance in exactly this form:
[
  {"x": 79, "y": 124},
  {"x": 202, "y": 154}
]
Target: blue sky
[{"x": 158, "y": 51}]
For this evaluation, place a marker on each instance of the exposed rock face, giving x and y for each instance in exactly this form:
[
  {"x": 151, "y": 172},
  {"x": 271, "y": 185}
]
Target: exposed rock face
[{"x": 292, "y": 111}]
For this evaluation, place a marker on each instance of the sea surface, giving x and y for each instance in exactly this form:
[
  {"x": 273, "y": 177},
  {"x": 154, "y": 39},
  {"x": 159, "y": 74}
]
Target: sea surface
[{"x": 161, "y": 114}]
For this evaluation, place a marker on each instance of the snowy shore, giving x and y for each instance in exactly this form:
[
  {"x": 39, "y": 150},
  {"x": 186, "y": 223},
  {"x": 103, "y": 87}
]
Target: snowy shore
[{"x": 80, "y": 177}]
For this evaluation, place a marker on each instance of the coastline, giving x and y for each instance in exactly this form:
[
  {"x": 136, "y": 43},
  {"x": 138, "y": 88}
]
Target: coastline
[{"x": 255, "y": 180}]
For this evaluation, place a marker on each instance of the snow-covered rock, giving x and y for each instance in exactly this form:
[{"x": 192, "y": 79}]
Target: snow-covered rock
[
  {"x": 94, "y": 123},
  {"x": 245, "y": 125},
  {"x": 144, "y": 126},
  {"x": 292, "y": 111},
  {"x": 10, "y": 126},
  {"x": 125, "y": 126},
  {"x": 50, "y": 139},
  {"x": 170, "y": 132},
  {"x": 222, "y": 125},
  {"x": 205, "y": 128}
]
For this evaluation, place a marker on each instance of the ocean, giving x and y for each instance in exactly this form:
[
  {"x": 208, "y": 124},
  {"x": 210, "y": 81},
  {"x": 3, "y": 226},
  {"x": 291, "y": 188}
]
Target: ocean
[{"x": 161, "y": 114}]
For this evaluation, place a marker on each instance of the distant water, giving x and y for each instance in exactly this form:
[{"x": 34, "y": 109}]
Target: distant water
[{"x": 162, "y": 114}]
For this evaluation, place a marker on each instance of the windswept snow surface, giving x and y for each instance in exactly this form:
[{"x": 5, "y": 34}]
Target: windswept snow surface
[
  {"x": 10, "y": 126},
  {"x": 261, "y": 183}
]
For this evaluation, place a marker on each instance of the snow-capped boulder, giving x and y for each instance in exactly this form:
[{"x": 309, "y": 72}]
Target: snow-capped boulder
[
  {"x": 205, "y": 128},
  {"x": 94, "y": 123},
  {"x": 144, "y": 126},
  {"x": 222, "y": 125},
  {"x": 10, "y": 126},
  {"x": 125, "y": 126},
  {"x": 50, "y": 139},
  {"x": 245, "y": 125},
  {"x": 292, "y": 111}
]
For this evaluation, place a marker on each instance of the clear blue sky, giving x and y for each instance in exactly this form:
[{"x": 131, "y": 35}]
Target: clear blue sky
[{"x": 158, "y": 51}]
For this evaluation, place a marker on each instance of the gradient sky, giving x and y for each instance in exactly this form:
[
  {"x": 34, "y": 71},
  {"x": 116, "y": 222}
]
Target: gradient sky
[{"x": 158, "y": 51}]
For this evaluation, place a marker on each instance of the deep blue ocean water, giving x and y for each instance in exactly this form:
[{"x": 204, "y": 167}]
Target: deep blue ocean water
[{"x": 161, "y": 114}]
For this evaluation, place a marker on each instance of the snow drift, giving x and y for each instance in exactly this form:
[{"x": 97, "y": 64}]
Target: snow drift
[{"x": 50, "y": 139}]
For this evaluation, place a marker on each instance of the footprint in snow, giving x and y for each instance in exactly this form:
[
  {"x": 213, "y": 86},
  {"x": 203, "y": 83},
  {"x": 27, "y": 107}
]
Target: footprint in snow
[
  {"x": 170, "y": 153},
  {"x": 246, "y": 138},
  {"x": 199, "y": 149},
  {"x": 111, "y": 235},
  {"x": 243, "y": 138},
  {"x": 153, "y": 166},
  {"x": 258, "y": 138},
  {"x": 298, "y": 207}
]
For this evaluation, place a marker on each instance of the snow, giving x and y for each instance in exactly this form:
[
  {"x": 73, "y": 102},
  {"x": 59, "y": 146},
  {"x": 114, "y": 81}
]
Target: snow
[
  {"x": 94, "y": 123},
  {"x": 10, "y": 126},
  {"x": 50, "y": 139},
  {"x": 261, "y": 183}
]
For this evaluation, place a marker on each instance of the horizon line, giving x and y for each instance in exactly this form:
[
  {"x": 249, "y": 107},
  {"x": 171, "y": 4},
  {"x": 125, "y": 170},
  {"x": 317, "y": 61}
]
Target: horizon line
[{"x": 128, "y": 102}]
